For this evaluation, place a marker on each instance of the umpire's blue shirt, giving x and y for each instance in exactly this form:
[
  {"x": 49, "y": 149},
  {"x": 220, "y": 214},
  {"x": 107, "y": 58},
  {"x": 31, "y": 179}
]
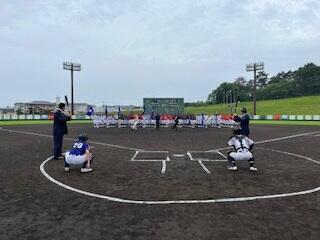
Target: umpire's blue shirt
[
  {"x": 60, "y": 123},
  {"x": 244, "y": 124}
]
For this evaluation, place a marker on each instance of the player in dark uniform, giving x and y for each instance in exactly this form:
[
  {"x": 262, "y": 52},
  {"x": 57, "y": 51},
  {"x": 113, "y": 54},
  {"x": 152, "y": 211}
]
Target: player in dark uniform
[
  {"x": 59, "y": 129},
  {"x": 157, "y": 121},
  {"x": 244, "y": 120},
  {"x": 79, "y": 155}
]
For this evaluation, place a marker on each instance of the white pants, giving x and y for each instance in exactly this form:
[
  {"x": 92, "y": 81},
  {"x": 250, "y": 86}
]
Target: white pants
[
  {"x": 74, "y": 159},
  {"x": 241, "y": 156}
]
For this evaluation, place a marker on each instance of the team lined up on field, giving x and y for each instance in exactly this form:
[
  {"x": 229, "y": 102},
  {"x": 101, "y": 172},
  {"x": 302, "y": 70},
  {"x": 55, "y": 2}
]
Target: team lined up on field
[{"x": 146, "y": 121}]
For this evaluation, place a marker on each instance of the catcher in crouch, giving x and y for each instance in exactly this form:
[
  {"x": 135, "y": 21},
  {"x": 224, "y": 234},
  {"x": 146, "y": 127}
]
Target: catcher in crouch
[
  {"x": 242, "y": 146},
  {"x": 79, "y": 155}
]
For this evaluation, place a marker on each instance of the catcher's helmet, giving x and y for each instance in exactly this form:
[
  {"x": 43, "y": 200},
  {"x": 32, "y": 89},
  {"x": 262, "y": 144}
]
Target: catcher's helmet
[
  {"x": 237, "y": 131},
  {"x": 83, "y": 137}
]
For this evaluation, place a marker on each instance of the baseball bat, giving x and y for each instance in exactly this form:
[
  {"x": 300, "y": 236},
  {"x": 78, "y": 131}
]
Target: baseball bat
[
  {"x": 237, "y": 102},
  {"x": 67, "y": 102}
]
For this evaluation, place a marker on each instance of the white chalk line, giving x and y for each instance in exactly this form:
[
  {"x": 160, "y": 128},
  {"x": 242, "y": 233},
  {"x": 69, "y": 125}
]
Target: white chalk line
[
  {"x": 291, "y": 154},
  {"x": 204, "y": 167},
  {"x": 164, "y": 167},
  {"x": 269, "y": 140},
  {"x": 222, "y": 154},
  {"x": 71, "y": 139},
  {"x": 121, "y": 200},
  {"x": 201, "y": 160},
  {"x": 163, "y": 161},
  {"x": 219, "y": 200},
  {"x": 134, "y": 156},
  {"x": 178, "y": 155}
]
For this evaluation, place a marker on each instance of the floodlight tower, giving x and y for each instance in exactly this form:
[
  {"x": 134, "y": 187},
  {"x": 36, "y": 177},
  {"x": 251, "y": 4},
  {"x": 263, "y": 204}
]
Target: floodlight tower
[
  {"x": 254, "y": 67},
  {"x": 72, "y": 67}
]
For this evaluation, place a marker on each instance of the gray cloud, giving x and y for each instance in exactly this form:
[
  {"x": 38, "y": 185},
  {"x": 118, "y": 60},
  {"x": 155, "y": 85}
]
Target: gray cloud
[{"x": 135, "y": 48}]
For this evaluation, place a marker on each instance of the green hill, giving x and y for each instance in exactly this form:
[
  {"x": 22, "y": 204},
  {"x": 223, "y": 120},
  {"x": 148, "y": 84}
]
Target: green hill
[{"x": 295, "y": 106}]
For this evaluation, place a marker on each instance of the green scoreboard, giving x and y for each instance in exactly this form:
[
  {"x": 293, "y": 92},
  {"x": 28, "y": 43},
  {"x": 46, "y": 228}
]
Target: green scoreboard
[{"x": 163, "y": 105}]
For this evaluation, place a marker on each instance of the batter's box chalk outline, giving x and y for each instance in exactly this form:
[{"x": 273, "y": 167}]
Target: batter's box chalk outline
[
  {"x": 164, "y": 161},
  {"x": 222, "y": 159},
  {"x": 201, "y": 160}
]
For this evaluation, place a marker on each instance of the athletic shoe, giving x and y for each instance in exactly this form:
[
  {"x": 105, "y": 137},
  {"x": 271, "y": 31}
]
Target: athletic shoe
[
  {"x": 66, "y": 169},
  {"x": 253, "y": 169},
  {"x": 85, "y": 170},
  {"x": 232, "y": 168}
]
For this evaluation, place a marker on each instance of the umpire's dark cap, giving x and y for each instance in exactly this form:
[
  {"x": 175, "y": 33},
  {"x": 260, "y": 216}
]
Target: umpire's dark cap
[
  {"x": 61, "y": 105},
  {"x": 244, "y": 110}
]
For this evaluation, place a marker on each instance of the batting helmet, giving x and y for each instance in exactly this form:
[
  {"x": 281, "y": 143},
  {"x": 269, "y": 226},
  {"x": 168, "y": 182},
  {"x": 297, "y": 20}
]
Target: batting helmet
[{"x": 83, "y": 137}]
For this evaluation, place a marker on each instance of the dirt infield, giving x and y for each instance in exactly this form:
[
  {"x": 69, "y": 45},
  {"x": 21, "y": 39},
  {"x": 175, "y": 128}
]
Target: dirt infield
[{"x": 161, "y": 185}]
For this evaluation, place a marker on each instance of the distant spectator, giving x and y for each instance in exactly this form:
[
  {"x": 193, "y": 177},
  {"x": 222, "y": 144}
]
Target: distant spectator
[{"x": 157, "y": 121}]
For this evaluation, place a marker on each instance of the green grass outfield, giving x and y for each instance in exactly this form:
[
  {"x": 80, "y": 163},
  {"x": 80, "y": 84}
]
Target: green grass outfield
[
  {"x": 292, "y": 106},
  {"x": 286, "y": 122},
  {"x": 50, "y": 122}
]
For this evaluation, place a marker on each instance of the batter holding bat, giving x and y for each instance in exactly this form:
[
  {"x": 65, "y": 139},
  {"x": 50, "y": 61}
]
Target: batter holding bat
[{"x": 59, "y": 130}]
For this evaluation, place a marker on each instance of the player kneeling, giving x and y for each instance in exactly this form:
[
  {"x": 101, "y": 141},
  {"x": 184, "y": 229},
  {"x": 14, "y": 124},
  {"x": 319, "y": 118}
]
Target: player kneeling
[
  {"x": 79, "y": 155},
  {"x": 243, "y": 146}
]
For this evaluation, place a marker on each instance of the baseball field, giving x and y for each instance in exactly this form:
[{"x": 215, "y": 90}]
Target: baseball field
[{"x": 165, "y": 184}]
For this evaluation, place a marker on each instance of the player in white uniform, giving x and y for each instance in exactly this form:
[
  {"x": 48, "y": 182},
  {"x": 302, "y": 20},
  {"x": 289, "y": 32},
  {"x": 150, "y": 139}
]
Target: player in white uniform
[
  {"x": 135, "y": 123},
  {"x": 242, "y": 146}
]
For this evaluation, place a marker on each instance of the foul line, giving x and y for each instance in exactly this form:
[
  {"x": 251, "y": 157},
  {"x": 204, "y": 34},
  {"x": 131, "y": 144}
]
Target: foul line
[
  {"x": 269, "y": 140},
  {"x": 70, "y": 139}
]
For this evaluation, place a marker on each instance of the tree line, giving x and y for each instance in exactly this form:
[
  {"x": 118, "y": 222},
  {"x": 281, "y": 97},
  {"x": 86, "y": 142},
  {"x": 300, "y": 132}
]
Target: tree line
[{"x": 302, "y": 82}]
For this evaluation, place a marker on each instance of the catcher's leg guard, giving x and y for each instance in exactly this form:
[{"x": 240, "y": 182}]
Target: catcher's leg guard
[
  {"x": 231, "y": 161},
  {"x": 251, "y": 162},
  {"x": 84, "y": 165},
  {"x": 66, "y": 164}
]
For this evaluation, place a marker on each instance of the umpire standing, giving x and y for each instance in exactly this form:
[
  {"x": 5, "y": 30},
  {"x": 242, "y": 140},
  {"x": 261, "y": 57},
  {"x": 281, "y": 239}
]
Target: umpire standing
[
  {"x": 244, "y": 120},
  {"x": 59, "y": 129}
]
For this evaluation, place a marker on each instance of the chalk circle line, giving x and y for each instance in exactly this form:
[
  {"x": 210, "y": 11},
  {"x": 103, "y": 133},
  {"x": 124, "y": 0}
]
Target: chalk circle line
[
  {"x": 191, "y": 201},
  {"x": 220, "y": 200}
]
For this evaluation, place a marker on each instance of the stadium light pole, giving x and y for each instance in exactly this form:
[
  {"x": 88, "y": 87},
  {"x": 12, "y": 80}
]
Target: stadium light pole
[
  {"x": 70, "y": 66},
  {"x": 254, "y": 67}
]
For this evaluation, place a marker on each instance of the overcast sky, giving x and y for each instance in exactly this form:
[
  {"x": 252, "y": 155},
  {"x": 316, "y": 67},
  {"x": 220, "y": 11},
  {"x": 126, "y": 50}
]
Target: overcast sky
[{"x": 130, "y": 49}]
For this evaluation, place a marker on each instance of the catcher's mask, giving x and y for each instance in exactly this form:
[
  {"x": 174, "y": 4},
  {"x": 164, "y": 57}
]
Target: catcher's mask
[{"x": 237, "y": 131}]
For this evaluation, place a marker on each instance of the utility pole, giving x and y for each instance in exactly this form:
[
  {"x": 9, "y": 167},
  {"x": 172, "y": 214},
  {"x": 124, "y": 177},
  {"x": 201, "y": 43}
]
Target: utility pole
[
  {"x": 72, "y": 67},
  {"x": 254, "y": 67}
]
